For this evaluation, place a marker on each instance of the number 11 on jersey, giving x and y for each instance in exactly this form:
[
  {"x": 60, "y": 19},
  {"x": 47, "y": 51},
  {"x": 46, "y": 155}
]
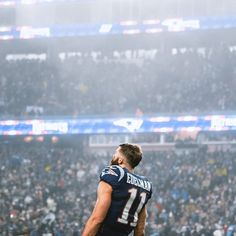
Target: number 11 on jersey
[{"x": 125, "y": 214}]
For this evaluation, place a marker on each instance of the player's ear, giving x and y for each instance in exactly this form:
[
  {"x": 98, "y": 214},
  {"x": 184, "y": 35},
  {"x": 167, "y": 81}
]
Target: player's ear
[{"x": 120, "y": 160}]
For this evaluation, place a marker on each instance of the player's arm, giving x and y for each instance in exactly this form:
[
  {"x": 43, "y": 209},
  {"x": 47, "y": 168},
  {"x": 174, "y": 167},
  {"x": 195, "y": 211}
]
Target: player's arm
[
  {"x": 100, "y": 210},
  {"x": 140, "y": 228}
]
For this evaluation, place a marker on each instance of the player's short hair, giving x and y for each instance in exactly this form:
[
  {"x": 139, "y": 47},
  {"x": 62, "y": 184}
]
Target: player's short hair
[{"x": 132, "y": 152}]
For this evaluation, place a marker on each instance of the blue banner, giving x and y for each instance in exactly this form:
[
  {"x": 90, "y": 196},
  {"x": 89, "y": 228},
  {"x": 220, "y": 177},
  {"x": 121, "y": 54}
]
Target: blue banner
[
  {"x": 151, "y": 124},
  {"x": 122, "y": 28}
]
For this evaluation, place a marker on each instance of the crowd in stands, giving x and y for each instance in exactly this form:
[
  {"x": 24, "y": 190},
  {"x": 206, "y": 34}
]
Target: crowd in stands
[
  {"x": 53, "y": 189},
  {"x": 45, "y": 189},
  {"x": 120, "y": 83}
]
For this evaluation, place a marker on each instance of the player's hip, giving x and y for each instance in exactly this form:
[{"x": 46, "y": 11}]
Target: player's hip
[{"x": 108, "y": 230}]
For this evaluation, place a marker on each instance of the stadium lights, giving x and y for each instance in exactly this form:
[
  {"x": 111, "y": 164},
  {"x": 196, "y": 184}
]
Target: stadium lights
[
  {"x": 151, "y": 22},
  {"x": 54, "y": 139},
  {"x": 40, "y": 139},
  {"x": 153, "y": 30},
  {"x": 28, "y": 139},
  {"x": 5, "y": 29},
  {"x": 128, "y": 23},
  {"x": 132, "y": 31},
  {"x": 7, "y": 3},
  {"x": 10, "y": 3},
  {"x": 6, "y": 37}
]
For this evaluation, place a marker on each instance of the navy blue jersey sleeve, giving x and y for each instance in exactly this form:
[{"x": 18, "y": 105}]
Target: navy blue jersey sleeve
[{"x": 112, "y": 175}]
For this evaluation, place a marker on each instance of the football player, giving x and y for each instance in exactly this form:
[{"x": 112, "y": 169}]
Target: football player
[{"x": 121, "y": 197}]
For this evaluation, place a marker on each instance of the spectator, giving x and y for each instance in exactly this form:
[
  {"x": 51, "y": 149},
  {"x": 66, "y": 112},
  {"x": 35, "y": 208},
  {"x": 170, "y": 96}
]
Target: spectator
[
  {"x": 57, "y": 199},
  {"x": 159, "y": 83}
]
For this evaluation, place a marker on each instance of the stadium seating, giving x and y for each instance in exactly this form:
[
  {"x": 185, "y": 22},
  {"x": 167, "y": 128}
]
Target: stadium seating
[
  {"x": 194, "y": 192},
  {"x": 177, "y": 81}
]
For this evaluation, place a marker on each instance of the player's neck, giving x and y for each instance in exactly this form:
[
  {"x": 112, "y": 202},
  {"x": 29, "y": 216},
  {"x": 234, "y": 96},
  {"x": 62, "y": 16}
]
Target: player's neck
[{"x": 127, "y": 167}]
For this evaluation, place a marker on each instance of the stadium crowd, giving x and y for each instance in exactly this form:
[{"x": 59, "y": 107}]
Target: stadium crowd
[
  {"x": 123, "y": 82},
  {"x": 47, "y": 189}
]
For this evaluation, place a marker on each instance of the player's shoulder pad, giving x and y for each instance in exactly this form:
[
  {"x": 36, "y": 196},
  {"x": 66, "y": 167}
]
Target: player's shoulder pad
[{"x": 112, "y": 174}]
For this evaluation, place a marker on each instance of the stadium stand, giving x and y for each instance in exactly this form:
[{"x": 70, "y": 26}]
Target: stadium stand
[
  {"x": 176, "y": 81},
  {"x": 194, "y": 191},
  {"x": 52, "y": 188}
]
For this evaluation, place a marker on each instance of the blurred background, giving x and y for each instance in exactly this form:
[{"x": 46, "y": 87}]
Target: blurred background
[{"x": 79, "y": 77}]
